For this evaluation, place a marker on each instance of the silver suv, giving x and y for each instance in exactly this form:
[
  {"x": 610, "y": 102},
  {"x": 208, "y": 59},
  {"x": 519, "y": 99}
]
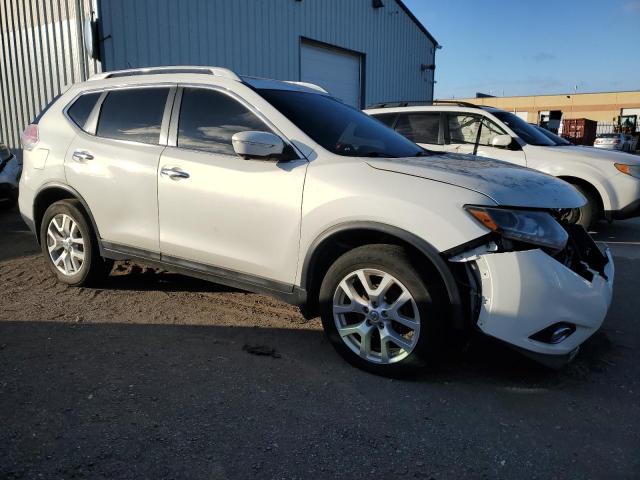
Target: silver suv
[{"x": 276, "y": 187}]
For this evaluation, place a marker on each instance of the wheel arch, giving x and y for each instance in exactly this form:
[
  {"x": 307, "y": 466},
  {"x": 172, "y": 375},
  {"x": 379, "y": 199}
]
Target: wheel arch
[
  {"x": 588, "y": 186},
  {"x": 54, "y": 192},
  {"x": 336, "y": 240}
]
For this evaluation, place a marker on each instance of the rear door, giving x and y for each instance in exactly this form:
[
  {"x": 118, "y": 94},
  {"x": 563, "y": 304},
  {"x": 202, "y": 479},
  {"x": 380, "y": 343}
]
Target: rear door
[
  {"x": 113, "y": 163},
  {"x": 461, "y": 134},
  {"x": 223, "y": 214},
  {"x": 423, "y": 128}
]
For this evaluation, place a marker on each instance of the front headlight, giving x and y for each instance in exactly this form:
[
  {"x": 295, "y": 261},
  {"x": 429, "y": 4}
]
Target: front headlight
[
  {"x": 633, "y": 170},
  {"x": 537, "y": 228}
]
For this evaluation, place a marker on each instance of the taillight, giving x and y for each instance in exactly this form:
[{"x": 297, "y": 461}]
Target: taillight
[
  {"x": 617, "y": 140},
  {"x": 30, "y": 137}
]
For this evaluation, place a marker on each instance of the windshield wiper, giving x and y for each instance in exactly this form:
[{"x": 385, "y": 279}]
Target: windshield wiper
[{"x": 378, "y": 154}]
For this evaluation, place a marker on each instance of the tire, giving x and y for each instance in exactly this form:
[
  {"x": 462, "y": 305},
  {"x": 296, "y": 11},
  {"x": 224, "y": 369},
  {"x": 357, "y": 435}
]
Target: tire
[
  {"x": 82, "y": 265},
  {"x": 391, "y": 265},
  {"x": 589, "y": 214}
]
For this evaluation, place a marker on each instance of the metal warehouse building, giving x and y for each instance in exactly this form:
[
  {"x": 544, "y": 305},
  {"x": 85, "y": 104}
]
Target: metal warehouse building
[{"x": 362, "y": 51}]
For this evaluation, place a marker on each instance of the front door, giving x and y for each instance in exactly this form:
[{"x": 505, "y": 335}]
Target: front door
[
  {"x": 462, "y": 135},
  {"x": 222, "y": 213}
]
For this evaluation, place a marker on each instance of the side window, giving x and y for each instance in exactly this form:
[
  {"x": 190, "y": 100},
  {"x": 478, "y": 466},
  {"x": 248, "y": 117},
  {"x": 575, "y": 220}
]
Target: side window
[
  {"x": 81, "y": 109},
  {"x": 463, "y": 128},
  {"x": 386, "y": 118},
  {"x": 208, "y": 120},
  {"x": 420, "y": 127},
  {"x": 133, "y": 114}
]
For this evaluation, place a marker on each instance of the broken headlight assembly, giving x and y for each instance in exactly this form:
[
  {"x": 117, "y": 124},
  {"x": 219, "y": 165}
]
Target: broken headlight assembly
[{"x": 526, "y": 226}]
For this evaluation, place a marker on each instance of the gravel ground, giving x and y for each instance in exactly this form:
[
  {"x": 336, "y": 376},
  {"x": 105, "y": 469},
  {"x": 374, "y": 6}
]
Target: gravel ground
[{"x": 157, "y": 376}]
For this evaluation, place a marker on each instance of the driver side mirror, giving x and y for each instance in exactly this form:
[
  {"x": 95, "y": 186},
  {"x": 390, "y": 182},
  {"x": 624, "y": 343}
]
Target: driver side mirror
[
  {"x": 260, "y": 145},
  {"x": 501, "y": 141}
]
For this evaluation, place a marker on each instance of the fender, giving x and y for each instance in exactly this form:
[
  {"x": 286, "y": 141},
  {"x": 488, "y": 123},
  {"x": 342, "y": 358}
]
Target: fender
[
  {"x": 74, "y": 193},
  {"x": 428, "y": 250}
]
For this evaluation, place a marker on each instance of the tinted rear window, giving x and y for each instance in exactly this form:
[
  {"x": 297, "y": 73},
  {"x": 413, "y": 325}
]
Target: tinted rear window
[
  {"x": 134, "y": 115},
  {"x": 419, "y": 127},
  {"x": 81, "y": 108},
  {"x": 387, "y": 118}
]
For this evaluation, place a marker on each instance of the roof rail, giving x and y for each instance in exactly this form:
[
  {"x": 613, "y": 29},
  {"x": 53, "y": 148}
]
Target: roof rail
[
  {"x": 424, "y": 103},
  {"x": 216, "y": 71}
]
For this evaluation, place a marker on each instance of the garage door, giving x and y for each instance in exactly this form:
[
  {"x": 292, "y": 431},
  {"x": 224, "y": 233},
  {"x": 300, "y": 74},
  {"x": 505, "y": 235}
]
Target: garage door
[{"x": 335, "y": 70}]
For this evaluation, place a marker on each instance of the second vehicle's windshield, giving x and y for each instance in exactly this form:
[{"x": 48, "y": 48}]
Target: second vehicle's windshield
[
  {"x": 525, "y": 131},
  {"x": 341, "y": 129},
  {"x": 557, "y": 139}
]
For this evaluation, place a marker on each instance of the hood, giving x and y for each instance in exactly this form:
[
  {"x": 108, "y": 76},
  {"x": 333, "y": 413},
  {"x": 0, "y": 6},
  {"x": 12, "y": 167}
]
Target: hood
[
  {"x": 505, "y": 183},
  {"x": 583, "y": 152}
]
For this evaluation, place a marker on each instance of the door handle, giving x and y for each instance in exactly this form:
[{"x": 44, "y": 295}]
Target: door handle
[
  {"x": 173, "y": 173},
  {"x": 81, "y": 156}
]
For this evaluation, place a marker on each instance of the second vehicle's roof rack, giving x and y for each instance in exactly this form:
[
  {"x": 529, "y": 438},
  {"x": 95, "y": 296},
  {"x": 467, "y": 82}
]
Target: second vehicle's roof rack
[
  {"x": 218, "y": 72},
  {"x": 424, "y": 103}
]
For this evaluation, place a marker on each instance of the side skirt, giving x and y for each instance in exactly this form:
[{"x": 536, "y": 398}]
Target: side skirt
[{"x": 282, "y": 291}]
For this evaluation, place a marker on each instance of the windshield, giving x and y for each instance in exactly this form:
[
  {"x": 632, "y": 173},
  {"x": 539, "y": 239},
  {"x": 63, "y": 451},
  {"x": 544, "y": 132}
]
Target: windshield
[
  {"x": 525, "y": 131},
  {"x": 341, "y": 129},
  {"x": 557, "y": 139}
]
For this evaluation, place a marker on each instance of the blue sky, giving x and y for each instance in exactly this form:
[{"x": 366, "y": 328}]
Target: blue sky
[{"x": 525, "y": 47}]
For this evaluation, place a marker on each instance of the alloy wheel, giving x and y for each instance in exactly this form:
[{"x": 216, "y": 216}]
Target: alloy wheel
[
  {"x": 65, "y": 244},
  {"x": 376, "y": 316}
]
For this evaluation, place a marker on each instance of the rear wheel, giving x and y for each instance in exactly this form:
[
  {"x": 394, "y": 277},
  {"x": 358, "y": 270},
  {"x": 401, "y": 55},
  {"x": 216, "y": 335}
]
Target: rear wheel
[
  {"x": 590, "y": 213},
  {"x": 70, "y": 246},
  {"x": 380, "y": 312}
]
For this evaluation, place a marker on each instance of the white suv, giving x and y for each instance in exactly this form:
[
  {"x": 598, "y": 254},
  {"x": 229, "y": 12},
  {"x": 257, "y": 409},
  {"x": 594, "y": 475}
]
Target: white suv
[
  {"x": 609, "y": 180},
  {"x": 276, "y": 187}
]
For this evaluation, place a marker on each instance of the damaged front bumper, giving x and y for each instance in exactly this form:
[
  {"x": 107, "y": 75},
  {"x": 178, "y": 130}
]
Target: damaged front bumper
[{"x": 546, "y": 306}]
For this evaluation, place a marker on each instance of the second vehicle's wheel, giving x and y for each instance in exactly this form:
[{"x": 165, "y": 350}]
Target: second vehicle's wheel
[
  {"x": 381, "y": 312},
  {"x": 69, "y": 245},
  {"x": 589, "y": 214}
]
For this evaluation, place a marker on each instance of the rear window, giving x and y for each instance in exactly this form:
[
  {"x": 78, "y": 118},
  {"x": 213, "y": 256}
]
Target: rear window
[
  {"x": 134, "y": 115},
  {"x": 81, "y": 109},
  {"x": 387, "y": 118},
  {"x": 420, "y": 127}
]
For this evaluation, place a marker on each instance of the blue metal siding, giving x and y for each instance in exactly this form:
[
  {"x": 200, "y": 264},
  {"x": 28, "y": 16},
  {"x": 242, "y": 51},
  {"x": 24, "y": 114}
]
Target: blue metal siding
[{"x": 262, "y": 38}]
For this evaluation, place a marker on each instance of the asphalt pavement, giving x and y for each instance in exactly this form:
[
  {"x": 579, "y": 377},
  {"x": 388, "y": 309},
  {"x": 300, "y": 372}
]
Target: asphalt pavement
[{"x": 157, "y": 376}]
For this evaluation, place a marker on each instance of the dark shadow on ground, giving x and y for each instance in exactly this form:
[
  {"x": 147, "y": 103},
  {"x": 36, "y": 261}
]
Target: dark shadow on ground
[
  {"x": 163, "y": 401},
  {"x": 16, "y": 240}
]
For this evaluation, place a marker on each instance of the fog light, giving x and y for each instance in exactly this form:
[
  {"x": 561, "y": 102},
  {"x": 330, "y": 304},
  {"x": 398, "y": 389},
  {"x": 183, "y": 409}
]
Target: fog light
[
  {"x": 560, "y": 334},
  {"x": 554, "y": 334}
]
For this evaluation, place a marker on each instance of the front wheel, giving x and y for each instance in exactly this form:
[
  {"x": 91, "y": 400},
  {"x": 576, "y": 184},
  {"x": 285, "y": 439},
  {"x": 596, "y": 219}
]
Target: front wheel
[
  {"x": 380, "y": 311},
  {"x": 588, "y": 214}
]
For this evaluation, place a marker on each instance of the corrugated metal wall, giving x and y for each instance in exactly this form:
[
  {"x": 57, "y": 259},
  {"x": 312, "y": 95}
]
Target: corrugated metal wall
[
  {"x": 262, "y": 38},
  {"x": 41, "y": 51}
]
